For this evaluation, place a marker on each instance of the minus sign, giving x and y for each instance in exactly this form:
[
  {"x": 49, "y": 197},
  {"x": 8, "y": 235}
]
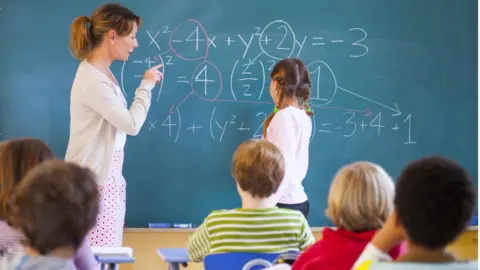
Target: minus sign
[
  {"x": 137, "y": 76},
  {"x": 337, "y": 41},
  {"x": 176, "y": 40},
  {"x": 138, "y": 62}
]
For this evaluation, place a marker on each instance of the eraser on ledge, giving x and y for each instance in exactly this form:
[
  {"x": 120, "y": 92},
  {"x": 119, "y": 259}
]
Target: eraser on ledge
[{"x": 159, "y": 225}]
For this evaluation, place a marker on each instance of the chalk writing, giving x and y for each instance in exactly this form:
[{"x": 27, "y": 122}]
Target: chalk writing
[
  {"x": 408, "y": 120},
  {"x": 186, "y": 47}
]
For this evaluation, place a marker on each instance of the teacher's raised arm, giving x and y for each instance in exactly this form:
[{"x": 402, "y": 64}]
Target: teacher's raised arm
[{"x": 99, "y": 117}]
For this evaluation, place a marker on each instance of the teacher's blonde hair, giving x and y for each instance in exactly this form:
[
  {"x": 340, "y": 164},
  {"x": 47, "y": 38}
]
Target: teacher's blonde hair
[{"x": 361, "y": 197}]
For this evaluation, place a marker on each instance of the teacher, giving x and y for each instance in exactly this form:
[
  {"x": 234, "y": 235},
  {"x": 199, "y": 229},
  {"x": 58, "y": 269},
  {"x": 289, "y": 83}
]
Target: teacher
[{"x": 99, "y": 117}]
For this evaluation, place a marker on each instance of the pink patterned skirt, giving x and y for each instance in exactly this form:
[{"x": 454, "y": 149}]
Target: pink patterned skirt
[{"x": 108, "y": 231}]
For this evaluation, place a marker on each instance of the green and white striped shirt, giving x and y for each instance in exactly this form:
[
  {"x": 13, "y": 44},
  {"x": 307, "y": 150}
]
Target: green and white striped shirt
[{"x": 268, "y": 230}]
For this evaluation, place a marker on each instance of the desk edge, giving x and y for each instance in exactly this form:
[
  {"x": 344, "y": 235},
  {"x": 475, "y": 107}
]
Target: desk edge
[{"x": 190, "y": 230}]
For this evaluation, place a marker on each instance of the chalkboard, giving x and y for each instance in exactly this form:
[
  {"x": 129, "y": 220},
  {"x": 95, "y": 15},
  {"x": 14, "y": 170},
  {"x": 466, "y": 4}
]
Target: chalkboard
[{"x": 392, "y": 81}]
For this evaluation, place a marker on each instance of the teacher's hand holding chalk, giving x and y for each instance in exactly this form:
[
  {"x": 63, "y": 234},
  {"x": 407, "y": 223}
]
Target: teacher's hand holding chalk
[{"x": 153, "y": 74}]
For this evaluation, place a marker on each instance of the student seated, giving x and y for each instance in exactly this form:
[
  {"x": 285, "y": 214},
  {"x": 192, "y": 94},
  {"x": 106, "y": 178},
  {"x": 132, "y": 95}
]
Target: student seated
[
  {"x": 258, "y": 226},
  {"x": 359, "y": 202},
  {"x": 54, "y": 207},
  {"x": 434, "y": 203},
  {"x": 17, "y": 158}
]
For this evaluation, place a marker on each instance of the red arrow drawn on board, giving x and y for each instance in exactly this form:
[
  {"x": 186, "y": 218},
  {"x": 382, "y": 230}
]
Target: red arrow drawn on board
[{"x": 366, "y": 111}]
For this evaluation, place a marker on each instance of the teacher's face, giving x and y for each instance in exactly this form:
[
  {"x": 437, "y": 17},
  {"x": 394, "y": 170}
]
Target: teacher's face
[{"x": 123, "y": 46}]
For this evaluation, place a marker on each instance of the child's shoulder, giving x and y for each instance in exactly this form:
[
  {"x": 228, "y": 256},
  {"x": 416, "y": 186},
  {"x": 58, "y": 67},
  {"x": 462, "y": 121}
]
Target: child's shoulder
[
  {"x": 291, "y": 114},
  {"x": 10, "y": 260},
  {"x": 222, "y": 213},
  {"x": 267, "y": 212},
  {"x": 288, "y": 211},
  {"x": 418, "y": 266}
]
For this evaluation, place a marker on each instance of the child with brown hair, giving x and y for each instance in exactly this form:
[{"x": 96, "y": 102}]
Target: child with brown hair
[
  {"x": 290, "y": 129},
  {"x": 17, "y": 158},
  {"x": 54, "y": 207},
  {"x": 257, "y": 226}
]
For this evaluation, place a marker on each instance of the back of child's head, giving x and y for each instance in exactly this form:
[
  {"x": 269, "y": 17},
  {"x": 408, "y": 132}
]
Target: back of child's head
[
  {"x": 258, "y": 168},
  {"x": 434, "y": 201},
  {"x": 361, "y": 197},
  {"x": 293, "y": 80},
  {"x": 17, "y": 158},
  {"x": 55, "y": 206}
]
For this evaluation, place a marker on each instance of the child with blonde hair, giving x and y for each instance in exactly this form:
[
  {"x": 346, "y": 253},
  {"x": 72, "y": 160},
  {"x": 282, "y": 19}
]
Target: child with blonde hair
[
  {"x": 359, "y": 202},
  {"x": 258, "y": 225}
]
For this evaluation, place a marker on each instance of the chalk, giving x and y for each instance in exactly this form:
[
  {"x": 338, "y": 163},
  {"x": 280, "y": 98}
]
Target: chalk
[
  {"x": 159, "y": 225},
  {"x": 183, "y": 225}
]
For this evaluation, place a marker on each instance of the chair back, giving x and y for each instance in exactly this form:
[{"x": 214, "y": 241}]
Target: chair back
[{"x": 242, "y": 260}]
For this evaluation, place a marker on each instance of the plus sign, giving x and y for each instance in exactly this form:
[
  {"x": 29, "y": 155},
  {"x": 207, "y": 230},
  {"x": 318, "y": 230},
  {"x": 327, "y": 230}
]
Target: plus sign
[
  {"x": 193, "y": 127},
  {"x": 266, "y": 40},
  {"x": 229, "y": 40},
  {"x": 363, "y": 125},
  {"x": 396, "y": 127},
  {"x": 242, "y": 128}
]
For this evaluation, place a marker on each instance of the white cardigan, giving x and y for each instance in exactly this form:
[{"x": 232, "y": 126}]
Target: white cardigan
[{"x": 99, "y": 119}]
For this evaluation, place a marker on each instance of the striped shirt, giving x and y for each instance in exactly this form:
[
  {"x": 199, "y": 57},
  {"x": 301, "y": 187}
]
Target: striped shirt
[
  {"x": 10, "y": 239},
  {"x": 268, "y": 230},
  {"x": 22, "y": 261},
  {"x": 10, "y": 242}
]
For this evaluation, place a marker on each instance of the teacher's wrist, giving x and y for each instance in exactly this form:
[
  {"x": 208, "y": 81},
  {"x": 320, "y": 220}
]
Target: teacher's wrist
[{"x": 147, "y": 84}]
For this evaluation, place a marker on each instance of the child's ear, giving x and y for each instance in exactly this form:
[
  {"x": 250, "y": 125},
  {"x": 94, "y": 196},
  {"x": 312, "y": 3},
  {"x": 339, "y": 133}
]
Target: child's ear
[
  {"x": 395, "y": 218},
  {"x": 397, "y": 223}
]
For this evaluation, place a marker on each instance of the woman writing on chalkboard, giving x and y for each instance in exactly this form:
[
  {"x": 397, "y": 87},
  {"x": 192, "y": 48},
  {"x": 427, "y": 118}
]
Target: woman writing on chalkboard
[
  {"x": 100, "y": 119},
  {"x": 290, "y": 128}
]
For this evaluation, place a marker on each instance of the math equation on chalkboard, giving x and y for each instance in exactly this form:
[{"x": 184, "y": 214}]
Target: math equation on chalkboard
[{"x": 233, "y": 70}]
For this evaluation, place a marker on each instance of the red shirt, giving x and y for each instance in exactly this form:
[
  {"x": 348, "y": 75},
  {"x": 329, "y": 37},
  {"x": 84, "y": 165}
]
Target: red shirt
[{"x": 337, "y": 250}]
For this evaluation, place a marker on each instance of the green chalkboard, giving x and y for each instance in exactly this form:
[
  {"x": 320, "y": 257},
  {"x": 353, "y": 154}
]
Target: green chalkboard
[{"x": 392, "y": 81}]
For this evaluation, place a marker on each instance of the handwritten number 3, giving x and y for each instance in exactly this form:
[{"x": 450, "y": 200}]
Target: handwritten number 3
[
  {"x": 357, "y": 43},
  {"x": 349, "y": 121}
]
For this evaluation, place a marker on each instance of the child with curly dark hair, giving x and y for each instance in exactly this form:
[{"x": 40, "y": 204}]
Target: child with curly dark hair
[
  {"x": 54, "y": 207},
  {"x": 434, "y": 203},
  {"x": 17, "y": 158}
]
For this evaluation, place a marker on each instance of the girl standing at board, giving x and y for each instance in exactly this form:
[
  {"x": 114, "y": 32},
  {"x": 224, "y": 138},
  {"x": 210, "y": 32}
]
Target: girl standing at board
[
  {"x": 290, "y": 129},
  {"x": 100, "y": 119}
]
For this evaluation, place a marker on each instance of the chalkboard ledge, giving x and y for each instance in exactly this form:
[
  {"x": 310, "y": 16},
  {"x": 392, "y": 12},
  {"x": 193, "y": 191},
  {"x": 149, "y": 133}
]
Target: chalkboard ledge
[{"x": 190, "y": 230}]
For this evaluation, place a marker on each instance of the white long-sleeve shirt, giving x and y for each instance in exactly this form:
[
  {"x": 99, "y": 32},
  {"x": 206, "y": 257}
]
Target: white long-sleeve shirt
[
  {"x": 100, "y": 119},
  {"x": 373, "y": 258},
  {"x": 290, "y": 130}
]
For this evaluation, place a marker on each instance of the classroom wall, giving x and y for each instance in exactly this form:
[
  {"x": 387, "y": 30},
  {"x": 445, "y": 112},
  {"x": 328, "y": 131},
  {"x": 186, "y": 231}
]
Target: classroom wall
[{"x": 145, "y": 242}]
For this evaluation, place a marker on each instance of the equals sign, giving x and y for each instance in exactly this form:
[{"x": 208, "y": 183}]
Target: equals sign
[
  {"x": 182, "y": 79},
  {"x": 318, "y": 43}
]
